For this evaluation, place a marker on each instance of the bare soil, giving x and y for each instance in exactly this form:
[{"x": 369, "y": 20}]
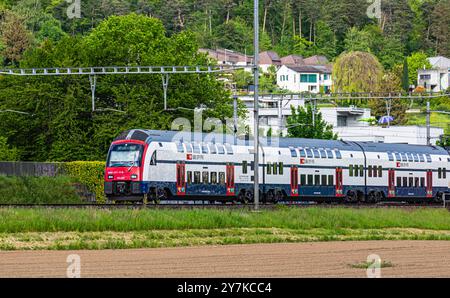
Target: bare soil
[{"x": 325, "y": 259}]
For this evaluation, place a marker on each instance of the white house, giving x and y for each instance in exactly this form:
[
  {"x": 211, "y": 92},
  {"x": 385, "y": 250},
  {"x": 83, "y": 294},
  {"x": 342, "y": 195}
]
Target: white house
[
  {"x": 347, "y": 122},
  {"x": 437, "y": 78},
  {"x": 305, "y": 78}
]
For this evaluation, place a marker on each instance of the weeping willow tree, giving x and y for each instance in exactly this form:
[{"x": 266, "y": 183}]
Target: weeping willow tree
[{"x": 357, "y": 72}]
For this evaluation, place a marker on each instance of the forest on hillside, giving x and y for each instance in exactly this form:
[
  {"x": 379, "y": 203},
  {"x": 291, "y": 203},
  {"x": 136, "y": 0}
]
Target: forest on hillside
[
  {"x": 304, "y": 27},
  {"x": 56, "y": 121}
]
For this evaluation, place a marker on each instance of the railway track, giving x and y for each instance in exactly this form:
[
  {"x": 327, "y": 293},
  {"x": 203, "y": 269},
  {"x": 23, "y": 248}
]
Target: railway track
[{"x": 386, "y": 205}]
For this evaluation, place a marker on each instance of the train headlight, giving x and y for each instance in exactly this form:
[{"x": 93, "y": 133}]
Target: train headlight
[
  {"x": 110, "y": 177},
  {"x": 134, "y": 176}
]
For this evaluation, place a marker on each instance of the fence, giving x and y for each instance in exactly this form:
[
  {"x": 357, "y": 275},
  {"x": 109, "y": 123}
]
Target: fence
[{"x": 37, "y": 169}]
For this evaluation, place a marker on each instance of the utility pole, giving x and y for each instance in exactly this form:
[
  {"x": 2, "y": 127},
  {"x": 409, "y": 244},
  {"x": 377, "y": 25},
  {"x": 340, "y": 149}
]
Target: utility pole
[
  {"x": 428, "y": 123},
  {"x": 256, "y": 103}
]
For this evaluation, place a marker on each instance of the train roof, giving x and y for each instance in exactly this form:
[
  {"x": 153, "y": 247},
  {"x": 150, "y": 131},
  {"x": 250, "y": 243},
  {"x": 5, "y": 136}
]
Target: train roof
[{"x": 171, "y": 136}]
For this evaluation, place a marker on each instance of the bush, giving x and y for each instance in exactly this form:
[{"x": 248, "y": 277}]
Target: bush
[
  {"x": 90, "y": 174},
  {"x": 38, "y": 190}
]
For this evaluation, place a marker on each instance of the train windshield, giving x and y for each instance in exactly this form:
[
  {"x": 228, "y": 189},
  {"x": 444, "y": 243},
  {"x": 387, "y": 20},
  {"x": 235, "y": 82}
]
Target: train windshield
[{"x": 125, "y": 155}]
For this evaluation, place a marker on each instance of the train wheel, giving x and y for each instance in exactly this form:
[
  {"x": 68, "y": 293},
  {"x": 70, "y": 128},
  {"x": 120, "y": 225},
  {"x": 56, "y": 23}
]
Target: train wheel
[
  {"x": 145, "y": 200},
  {"x": 371, "y": 198},
  {"x": 352, "y": 197},
  {"x": 278, "y": 197},
  {"x": 243, "y": 198},
  {"x": 270, "y": 196},
  {"x": 249, "y": 196}
]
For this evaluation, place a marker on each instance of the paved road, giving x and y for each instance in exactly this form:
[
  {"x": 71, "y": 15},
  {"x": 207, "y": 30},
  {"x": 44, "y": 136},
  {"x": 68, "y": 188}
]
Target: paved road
[{"x": 330, "y": 259}]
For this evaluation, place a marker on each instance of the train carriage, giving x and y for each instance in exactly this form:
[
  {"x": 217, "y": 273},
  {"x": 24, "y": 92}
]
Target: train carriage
[{"x": 153, "y": 165}]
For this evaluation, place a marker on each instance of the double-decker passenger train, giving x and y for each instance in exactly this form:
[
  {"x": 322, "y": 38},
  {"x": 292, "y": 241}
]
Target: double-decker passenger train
[{"x": 145, "y": 165}]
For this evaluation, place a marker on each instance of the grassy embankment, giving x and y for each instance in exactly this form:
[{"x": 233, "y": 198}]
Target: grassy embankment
[{"x": 105, "y": 229}]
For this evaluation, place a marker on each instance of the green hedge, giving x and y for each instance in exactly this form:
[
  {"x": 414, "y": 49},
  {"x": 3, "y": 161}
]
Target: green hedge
[
  {"x": 38, "y": 190},
  {"x": 90, "y": 174}
]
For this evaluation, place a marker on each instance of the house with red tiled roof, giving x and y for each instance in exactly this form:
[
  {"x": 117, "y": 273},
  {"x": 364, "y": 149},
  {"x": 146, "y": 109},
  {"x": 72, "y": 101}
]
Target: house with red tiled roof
[{"x": 269, "y": 58}]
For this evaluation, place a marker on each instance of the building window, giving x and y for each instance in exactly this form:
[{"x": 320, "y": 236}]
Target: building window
[
  {"x": 425, "y": 77},
  {"x": 308, "y": 78},
  {"x": 341, "y": 121}
]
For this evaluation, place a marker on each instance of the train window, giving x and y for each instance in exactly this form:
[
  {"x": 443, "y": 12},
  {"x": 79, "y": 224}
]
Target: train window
[
  {"x": 361, "y": 171},
  {"x": 196, "y": 177},
  {"x": 205, "y": 177},
  {"x": 324, "y": 180},
  {"x": 316, "y": 153},
  {"x": 269, "y": 168},
  {"x": 275, "y": 168},
  {"x": 390, "y": 156},
  {"x": 380, "y": 171},
  {"x": 310, "y": 179},
  {"x": 444, "y": 173},
  {"x": 180, "y": 147},
  {"x": 229, "y": 149},
  {"x": 416, "y": 157},
  {"x": 205, "y": 148},
  {"x": 375, "y": 171},
  {"x": 212, "y": 148},
  {"x": 220, "y": 149},
  {"x": 356, "y": 169},
  {"x": 330, "y": 180},
  {"x": 416, "y": 182},
  {"x": 410, "y": 157},
  {"x": 196, "y": 147},
  {"x": 213, "y": 177},
  {"x": 221, "y": 178},
  {"x": 404, "y": 158},
  {"x": 399, "y": 181},
  {"x": 421, "y": 158},
  {"x": 189, "y": 148},
  {"x": 350, "y": 170},
  {"x": 303, "y": 180},
  {"x": 244, "y": 167},
  {"x": 302, "y": 153},
  {"x": 189, "y": 177},
  {"x": 397, "y": 157},
  {"x": 280, "y": 168},
  {"x": 309, "y": 153},
  {"x": 338, "y": 154},
  {"x": 422, "y": 181},
  {"x": 428, "y": 158},
  {"x": 439, "y": 173},
  {"x": 369, "y": 171},
  {"x": 411, "y": 182},
  {"x": 316, "y": 179},
  {"x": 153, "y": 159},
  {"x": 329, "y": 154},
  {"x": 405, "y": 181},
  {"x": 323, "y": 154},
  {"x": 293, "y": 152}
]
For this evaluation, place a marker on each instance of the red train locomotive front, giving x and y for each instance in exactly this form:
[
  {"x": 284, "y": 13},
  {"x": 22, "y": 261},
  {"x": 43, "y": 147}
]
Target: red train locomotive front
[{"x": 124, "y": 170}]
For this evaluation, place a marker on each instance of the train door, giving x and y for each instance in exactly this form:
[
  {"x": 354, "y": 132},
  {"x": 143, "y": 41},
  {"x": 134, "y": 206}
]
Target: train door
[
  {"x": 339, "y": 183},
  {"x": 231, "y": 191},
  {"x": 181, "y": 179},
  {"x": 391, "y": 183},
  {"x": 294, "y": 181},
  {"x": 429, "y": 184}
]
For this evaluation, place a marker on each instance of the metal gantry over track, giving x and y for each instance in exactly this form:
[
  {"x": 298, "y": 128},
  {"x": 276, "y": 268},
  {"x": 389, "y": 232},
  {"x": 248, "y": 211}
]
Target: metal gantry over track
[{"x": 93, "y": 72}]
